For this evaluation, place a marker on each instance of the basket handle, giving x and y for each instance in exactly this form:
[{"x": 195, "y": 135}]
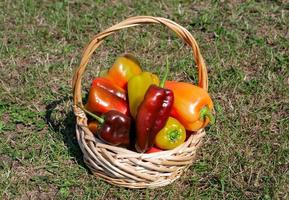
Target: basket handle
[{"x": 135, "y": 21}]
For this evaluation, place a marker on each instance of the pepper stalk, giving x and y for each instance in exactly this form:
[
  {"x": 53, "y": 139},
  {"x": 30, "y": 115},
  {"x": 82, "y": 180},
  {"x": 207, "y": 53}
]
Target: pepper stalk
[
  {"x": 206, "y": 113},
  {"x": 99, "y": 119},
  {"x": 163, "y": 81}
]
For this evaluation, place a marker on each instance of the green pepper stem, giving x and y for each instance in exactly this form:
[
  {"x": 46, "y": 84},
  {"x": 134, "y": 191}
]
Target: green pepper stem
[
  {"x": 174, "y": 135},
  {"x": 162, "y": 84},
  {"x": 205, "y": 112},
  {"x": 99, "y": 119}
]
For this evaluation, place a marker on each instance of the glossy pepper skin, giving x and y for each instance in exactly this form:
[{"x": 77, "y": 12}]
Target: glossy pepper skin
[
  {"x": 137, "y": 87},
  {"x": 109, "y": 86},
  {"x": 192, "y": 106},
  {"x": 114, "y": 127},
  {"x": 123, "y": 69},
  {"x": 152, "y": 115},
  {"x": 104, "y": 96},
  {"x": 153, "y": 150},
  {"x": 171, "y": 135}
]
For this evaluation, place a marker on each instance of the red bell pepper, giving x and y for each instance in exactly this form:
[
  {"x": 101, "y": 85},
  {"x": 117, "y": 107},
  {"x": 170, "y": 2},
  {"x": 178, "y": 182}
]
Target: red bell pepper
[
  {"x": 110, "y": 86},
  {"x": 153, "y": 150},
  {"x": 104, "y": 96}
]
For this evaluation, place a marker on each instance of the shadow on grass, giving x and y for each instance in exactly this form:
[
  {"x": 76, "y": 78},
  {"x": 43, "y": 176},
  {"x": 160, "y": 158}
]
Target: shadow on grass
[{"x": 64, "y": 123}]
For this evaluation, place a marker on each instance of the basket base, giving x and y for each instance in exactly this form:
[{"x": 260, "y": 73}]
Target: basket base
[
  {"x": 136, "y": 185},
  {"x": 125, "y": 168}
]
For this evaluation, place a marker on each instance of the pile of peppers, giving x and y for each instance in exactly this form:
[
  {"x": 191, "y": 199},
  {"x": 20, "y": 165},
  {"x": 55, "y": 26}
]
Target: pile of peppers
[{"x": 132, "y": 108}]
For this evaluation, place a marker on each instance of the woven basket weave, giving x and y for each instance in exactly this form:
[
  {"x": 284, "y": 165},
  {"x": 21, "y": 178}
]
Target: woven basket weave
[{"x": 123, "y": 167}]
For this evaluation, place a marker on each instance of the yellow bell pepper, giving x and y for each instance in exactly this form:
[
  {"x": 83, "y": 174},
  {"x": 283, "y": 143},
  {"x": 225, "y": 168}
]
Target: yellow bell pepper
[
  {"x": 171, "y": 135},
  {"x": 137, "y": 87}
]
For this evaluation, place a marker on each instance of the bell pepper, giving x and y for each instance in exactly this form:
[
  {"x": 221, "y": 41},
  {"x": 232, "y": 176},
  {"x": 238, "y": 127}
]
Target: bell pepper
[
  {"x": 137, "y": 87},
  {"x": 104, "y": 96},
  {"x": 153, "y": 150},
  {"x": 172, "y": 135},
  {"x": 192, "y": 106},
  {"x": 93, "y": 126},
  {"x": 153, "y": 113},
  {"x": 110, "y": 86},
  {"x": 114, "y": 127},
  {"x": 123, "y": 69}
]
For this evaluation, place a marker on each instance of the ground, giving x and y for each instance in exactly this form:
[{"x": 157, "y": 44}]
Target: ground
[{"x": 245, "y": 45}]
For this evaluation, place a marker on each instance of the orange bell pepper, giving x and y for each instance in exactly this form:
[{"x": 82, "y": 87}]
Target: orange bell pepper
[
  {"x": 93, "y": 126},
  {"x": 125, "y": 67},
  {"x": 192, "y": 106}
]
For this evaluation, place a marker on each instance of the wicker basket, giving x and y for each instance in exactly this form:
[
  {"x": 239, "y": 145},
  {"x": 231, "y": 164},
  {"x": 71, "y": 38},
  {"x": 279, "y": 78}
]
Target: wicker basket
[{"x": 123, "y": 167}]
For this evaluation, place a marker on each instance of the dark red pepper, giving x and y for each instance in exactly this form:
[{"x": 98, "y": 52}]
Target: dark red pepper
[
  {"x": 153, "y": 114},
  {"x": 104, "y": 95},
  {"x": 114, "y": 127}
]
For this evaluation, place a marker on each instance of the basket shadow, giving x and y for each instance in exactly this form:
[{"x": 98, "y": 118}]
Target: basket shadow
[{"x": 65, "y": 129}]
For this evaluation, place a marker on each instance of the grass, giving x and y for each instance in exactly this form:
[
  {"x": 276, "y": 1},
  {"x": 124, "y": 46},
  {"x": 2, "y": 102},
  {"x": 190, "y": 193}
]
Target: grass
[{"x": 246, "y": 47}]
